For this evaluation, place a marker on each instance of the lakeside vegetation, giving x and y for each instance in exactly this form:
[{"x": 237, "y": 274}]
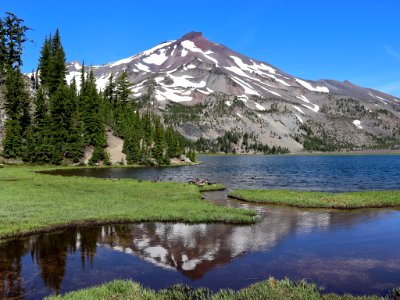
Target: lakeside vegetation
[
  {"x": 268, "y": 289},
  {"x": 211, "y": 187},
  {"x": 350, "y": 200},
  {"x": 31, "y": 202}
]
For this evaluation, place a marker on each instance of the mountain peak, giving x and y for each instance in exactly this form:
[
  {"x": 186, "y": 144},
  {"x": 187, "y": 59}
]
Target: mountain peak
[
  {"x": 198, "y": 39},
  {"x": 192, "y": 36}
]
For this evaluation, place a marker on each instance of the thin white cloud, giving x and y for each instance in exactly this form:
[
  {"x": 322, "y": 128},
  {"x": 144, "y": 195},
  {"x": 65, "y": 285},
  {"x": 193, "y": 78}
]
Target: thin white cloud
[{"x": 392, "y": 52}]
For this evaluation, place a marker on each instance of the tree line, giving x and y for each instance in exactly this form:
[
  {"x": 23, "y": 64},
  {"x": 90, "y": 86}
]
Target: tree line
[{"x": 50, "y": 120}]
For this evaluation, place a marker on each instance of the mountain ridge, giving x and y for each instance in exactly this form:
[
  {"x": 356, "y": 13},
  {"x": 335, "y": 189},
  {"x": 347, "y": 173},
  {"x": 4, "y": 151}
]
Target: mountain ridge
[{"x": 194, "y": 71}]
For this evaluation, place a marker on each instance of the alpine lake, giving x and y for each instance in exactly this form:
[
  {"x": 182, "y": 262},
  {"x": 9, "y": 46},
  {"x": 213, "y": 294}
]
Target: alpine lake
[{"x": 354, "y": 251}]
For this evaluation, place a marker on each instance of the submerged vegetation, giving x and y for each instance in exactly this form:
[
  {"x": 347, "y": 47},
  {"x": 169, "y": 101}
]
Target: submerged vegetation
[
  {"x": 351, "y": 200},
  {"x": 31, "y": 202},
  {"x": 269, "y": 289}
]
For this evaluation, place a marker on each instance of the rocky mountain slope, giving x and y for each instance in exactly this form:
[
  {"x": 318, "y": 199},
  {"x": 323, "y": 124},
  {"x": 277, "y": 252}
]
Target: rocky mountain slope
[
  {"x": 208, "y": 90},
  {"x": 205, "y": 89}
]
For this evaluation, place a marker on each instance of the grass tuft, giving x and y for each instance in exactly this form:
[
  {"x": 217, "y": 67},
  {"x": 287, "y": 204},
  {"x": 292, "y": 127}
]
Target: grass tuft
[
  {"x": 268, "y": 289},
  {"x": 211, "y": 187}
]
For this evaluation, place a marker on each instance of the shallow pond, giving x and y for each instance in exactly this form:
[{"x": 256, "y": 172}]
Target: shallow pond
[{"x": 354, "y": 251}]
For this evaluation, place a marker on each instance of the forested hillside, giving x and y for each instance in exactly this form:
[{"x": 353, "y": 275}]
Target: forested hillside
[{"x": 48, "y": 120}]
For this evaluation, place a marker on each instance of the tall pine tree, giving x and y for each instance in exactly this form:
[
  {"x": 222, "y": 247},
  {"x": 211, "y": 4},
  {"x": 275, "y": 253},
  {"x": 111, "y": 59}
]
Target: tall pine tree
[{"x": 17, "y": 107}]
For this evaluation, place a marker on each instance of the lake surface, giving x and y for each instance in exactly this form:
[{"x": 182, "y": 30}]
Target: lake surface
[
  {"x": 315, "y": 173},
  {"x": 346, "y": 252}
]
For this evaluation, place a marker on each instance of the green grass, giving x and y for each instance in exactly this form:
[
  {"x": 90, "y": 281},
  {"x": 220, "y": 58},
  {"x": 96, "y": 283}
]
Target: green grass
[
  {"x": 31, "y": 202},
  {"x": 269, "y": 289},
  {"x": 211, "y": 187},
  {"x": 353, "y": 200}
]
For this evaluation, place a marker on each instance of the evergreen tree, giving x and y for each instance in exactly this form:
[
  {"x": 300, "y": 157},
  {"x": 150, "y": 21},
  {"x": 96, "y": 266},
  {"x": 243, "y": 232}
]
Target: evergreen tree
[
  {"x": 171, "y": 142},
  {"x": 42, "y": 150},
  {"x": 192, "y": 155},
  {"x": 75, "y": 142},
  {"x": 110, "y": 90},
  {"x": 147, "y": 137},
  {"x": 57, "y": 66},
  {"x": 17, "y": 104},
  {"x": 12, "y": 38},
  {"x": 132, "y": 147},
  {"x": 94, "y": 129},
  {"x": 3, "y": 49},
  {"x": 12, "y": 143},
  {"x": 123, "y": 88},
  {"x": 59, "y": 123},
  {"x": 159, "y": 142},
  {"x": 44, "y": 62}
]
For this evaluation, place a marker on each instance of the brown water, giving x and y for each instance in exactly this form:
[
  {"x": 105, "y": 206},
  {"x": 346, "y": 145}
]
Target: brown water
[{"x": 346, "y": 252}]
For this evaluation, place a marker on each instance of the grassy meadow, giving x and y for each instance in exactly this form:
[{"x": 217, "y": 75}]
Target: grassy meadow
[
  {"x": 352, "y": 200},
  {"x": 31, "y": 202}
]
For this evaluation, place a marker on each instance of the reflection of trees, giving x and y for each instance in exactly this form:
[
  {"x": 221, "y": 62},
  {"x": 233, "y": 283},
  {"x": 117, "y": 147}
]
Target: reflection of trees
[
  {"x": 193, "y": 250},
  {"x": 11, "y": 266},
  {"x": 50, "y": 252},
  {"x": 88, "y": 243}
]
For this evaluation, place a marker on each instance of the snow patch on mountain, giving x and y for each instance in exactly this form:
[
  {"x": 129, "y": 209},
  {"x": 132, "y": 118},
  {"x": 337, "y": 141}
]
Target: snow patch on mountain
[
  {"x": 314, "y": 108},
  {"x": 143, "y": 67},
  {"x": 308, "y": 86},
  {"x": 299, "y": 118},
  {"x": 121, "y": 62},
  {"x": 357, "y": 123},
  {"x": 299, "y": 109}
]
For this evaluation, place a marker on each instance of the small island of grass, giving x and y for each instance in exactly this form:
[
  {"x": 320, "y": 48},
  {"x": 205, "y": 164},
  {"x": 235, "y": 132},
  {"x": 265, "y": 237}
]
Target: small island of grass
[
  {"x": 350, "y": 200},
  {"x": 211, "y": 187}
]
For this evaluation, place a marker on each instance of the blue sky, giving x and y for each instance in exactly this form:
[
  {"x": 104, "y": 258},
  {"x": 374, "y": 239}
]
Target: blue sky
[{"x": 354, "y": 40}]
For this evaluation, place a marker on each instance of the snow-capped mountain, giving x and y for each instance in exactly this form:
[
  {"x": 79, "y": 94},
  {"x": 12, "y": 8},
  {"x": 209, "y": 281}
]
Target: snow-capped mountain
[{"x": 258, "y": 97}]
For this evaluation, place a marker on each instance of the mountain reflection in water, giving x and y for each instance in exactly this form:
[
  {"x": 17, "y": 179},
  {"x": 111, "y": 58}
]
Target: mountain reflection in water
[{"x": 66, "y": 260}]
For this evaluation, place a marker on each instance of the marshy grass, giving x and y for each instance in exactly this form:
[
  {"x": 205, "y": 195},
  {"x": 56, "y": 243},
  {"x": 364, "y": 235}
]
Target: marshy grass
[
  {"x": 32, "y": 202},
  {"x": 352, "y": 200},
  {"x": 269, "y": 289},
  {"x": 211, "y": 187}
]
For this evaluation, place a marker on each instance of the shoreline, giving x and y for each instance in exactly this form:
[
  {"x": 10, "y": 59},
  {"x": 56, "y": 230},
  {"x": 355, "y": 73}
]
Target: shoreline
[
  {"x": 349, "y": 153},
  {"x": 31, "y": 202}
]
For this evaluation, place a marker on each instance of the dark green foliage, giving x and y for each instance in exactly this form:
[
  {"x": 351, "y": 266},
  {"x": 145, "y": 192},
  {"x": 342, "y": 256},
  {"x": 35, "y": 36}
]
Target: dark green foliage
[
  {"x": 192, "y": 155},
  {"x": 132, "y": 147},
  {"x": 90, "y": 108},
  {"x": 12, "y": 143},
  {"x": 99, "y": 154},
  {"x": 17, "y": 104},
  {"x": 177, "y": 114},
  {"x": 109, "y": 91},
  {"x": 321, "y": 141},
  {"x": 159, "y": 142},
  {"x": 59, "y": 123},
  {"x": 230, "y": 141},
  {"x": 123, "y": 88},
  {"x": 174, "y": 149},
  {"x": 12, "y": 38},
  {"x": 44, "y": 62},
  {"x": 42, "y": 149},
  {"x": 57, "y": 68}
]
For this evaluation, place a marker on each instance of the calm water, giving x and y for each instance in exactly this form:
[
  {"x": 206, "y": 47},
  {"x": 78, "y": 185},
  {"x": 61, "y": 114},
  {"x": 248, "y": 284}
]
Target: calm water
[
  {"x": 318, "y": 173},
  {"x": 355, "y": 251}
]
